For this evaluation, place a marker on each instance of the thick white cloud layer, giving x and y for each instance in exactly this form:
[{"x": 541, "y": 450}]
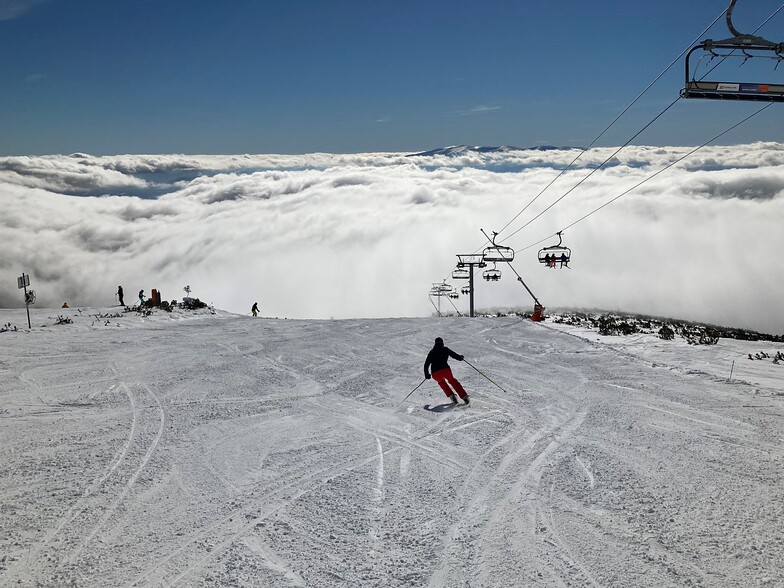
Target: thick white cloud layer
[{"x": 321, "y": 235}]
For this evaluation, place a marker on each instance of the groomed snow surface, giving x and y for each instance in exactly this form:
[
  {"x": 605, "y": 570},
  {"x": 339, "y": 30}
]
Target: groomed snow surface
[{"x": 200, "y": 449}]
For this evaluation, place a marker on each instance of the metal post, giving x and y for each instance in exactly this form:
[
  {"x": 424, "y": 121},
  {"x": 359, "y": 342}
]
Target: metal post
[
  {"x": 27, "y": 305},
  {"x": 471, "y": 261},
  {"x": 471, "y": 288}
]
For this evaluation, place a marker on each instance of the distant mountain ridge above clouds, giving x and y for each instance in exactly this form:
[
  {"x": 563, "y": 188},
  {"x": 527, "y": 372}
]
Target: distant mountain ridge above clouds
[{"x": 458, "y": 150}]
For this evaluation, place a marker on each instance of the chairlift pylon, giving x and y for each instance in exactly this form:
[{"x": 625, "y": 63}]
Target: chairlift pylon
[
  {"x": 750, "y": 46},
  {"x": 496, "y": 253},
  {"x": 556, "y": 255}
]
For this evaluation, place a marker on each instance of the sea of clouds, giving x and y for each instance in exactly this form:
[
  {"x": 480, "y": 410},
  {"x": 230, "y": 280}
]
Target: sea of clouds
[{"x": 366, "y": 235}]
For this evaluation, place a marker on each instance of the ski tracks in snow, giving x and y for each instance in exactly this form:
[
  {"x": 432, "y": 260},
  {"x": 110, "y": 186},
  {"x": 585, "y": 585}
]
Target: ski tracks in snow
[
  {"x": 500, "y": 513},
  {"x": 149, "y": 437},
  {"x": 497, "y": 531},
  {"x": 86, "y": 518},
  {"x": 283, "y": 460}
]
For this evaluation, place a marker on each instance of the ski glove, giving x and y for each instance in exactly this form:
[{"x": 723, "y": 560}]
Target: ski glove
[
  {"x": 459, "y": 358},
  {"x": 427, "y": 376}
]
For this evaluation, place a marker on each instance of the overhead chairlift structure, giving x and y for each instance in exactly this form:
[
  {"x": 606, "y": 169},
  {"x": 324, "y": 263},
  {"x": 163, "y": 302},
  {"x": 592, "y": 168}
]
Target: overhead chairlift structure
[
  {"x": 441, "y": 289},
  {"x": 470, "y": 261},
  {"x": 747, "y": 47},
  {"x": 492, "y": 274},
  {"x": 556, "y": 255},
  {"x": 494, "y": 254},
  {"x": 461, "y": 273},
  {"x": 497, "y": 253}
]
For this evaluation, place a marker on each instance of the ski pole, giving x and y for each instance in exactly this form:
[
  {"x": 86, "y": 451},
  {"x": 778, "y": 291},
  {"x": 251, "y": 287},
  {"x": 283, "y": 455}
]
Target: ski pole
[
  {"x": 412, "y": 391},
  {"x": 483, "y": 375}
]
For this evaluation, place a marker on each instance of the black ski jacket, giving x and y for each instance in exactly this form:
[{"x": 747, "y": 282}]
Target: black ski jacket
[{"x": 438, "y": 357}]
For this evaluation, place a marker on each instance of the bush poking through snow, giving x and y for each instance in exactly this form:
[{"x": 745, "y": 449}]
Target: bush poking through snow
[
  {"x": 665, "y": 328},
  {"x": 666, "y": 333},
  {"x": 192, "y": 303}
]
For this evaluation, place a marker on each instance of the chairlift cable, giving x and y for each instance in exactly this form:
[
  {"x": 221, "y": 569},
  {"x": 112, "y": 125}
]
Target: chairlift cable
[
  {"x": 780, "y": 8},
  {"x": 665, "y": 168},
  {"x": 729, "y": 14},
  {"x": 600, "y": 166},
  {"x": 635, "y": 136},
  {"x": 723, "y": 12},
  {"x": 607, "y": 128},
  {"x": 438, "y": 312},
  {"x": 732, "y": 29},
  {"x": 453, "y": 305},
  {"x": 733, "y": 127}
]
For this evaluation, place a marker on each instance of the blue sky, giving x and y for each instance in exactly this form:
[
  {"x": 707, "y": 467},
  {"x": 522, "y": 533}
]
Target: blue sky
[{"x": 298, "y": 76}]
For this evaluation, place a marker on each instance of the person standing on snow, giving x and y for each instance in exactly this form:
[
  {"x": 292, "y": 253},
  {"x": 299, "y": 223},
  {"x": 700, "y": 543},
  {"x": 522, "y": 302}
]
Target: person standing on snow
[
  {"x": 141, "y": 297},
  {"x": 442, "y": 373},
  {"x": 120, "y": 295},
  {"x": 255, "y": 309}
]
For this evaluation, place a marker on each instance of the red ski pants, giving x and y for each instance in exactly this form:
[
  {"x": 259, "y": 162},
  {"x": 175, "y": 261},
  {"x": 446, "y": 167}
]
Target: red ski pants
[{"x": 444, "y": 377}]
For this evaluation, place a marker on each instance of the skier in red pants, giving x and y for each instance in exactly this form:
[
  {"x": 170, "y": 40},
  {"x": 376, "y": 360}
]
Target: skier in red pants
[{"x": 442, "y": 373}]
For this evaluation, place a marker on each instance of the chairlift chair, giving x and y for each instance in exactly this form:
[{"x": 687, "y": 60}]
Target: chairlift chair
[
  {"x": 748, "y": 47},
  {"x": 454, "y": 295},
  {"x": 492, "y": 274},
  {"x": 555, "y": 255},
  {"x": 465, "y": 290},
  {"x": 461, "y": 273},
  {"x": 497, "y": 253},
  {"x": 442, "y": 287}
]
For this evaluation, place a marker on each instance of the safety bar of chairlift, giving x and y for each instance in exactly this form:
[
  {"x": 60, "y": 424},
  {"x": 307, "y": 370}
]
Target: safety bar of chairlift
[
  {"x": 740, "y": 91},
  {"x": 498, "y": 254},
  {"x": 555, "y": 252}
]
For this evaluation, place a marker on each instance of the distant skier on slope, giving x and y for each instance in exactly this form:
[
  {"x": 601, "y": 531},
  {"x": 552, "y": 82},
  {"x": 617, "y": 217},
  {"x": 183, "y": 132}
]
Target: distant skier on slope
[
  {"x": 141, "y": 297},
  {"x": 120, "y": 295},
  {"x": 255, "y": 309},
  {"x": 442, "y": 373}
]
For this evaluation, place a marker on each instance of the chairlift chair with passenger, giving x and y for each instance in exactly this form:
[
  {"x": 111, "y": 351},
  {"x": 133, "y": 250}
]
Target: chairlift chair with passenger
[
  {"x": 492, "y": 274},
  {"x": 556, "y": 255}
]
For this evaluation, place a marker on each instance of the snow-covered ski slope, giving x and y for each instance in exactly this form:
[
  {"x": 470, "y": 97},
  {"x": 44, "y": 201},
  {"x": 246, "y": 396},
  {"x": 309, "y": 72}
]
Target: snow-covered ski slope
[{"x": 218, "y": 450}]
